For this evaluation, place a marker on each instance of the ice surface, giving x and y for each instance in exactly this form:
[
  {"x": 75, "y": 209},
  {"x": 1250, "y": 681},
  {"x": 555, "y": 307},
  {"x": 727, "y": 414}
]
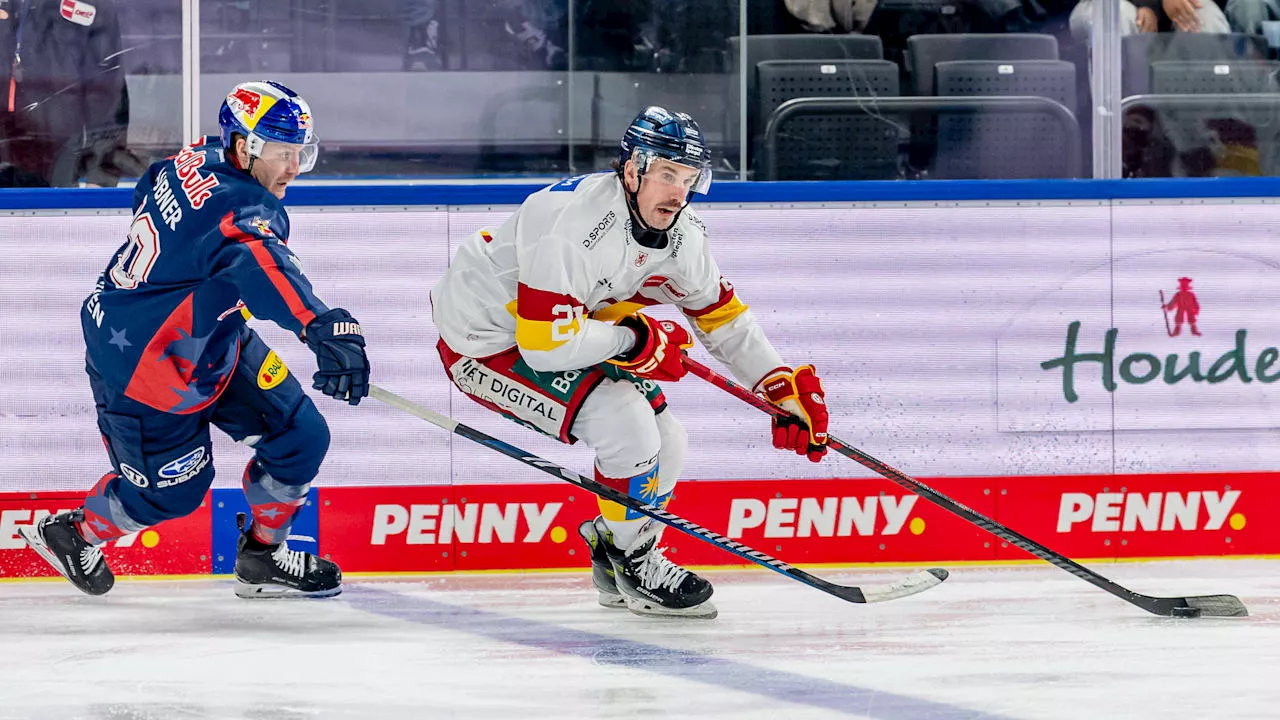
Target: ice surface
[{"x": 1018, "y": 642}]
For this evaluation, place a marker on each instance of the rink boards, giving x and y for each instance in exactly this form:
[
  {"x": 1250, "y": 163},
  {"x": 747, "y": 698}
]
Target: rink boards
[
  {"x": 840, "y": 521},
  {"x": 1006, "y": 341}
]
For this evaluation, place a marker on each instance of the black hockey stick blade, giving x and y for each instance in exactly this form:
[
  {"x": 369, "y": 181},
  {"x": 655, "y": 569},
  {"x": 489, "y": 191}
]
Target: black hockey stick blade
[
  {"x": 1205, "y": 605},
  {"x": 919, "y": 582}
]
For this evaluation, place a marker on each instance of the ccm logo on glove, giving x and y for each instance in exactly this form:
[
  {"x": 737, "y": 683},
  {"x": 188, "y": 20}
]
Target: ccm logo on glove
[
  {"x": 799, "y": 392},
  {"x": 659, "y": 350}
]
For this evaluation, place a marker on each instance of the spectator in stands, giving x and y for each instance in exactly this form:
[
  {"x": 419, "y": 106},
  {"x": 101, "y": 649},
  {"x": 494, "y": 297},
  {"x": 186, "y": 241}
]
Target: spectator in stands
[
  {"x": 1203, "y": 16},
  {"x": 64, "y": 107},
  {"x": 1148, "y": 152},
  {"x": 1247, "y": 16},
  {"x": 839, "y": 16},
  {"x": 1134, "y": 19},
  {"x": 423, "y": 47}
]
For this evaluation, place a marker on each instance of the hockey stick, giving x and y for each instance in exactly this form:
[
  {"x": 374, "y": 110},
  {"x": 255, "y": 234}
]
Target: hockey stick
[
  {"x": 1215, "y": 605},
  {"x": 919, "y": 582}
]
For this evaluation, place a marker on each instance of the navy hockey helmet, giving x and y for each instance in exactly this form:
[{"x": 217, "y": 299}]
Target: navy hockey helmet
[
  {"x": 266, "y": 112},
  {"x": 659, "y": 133}
]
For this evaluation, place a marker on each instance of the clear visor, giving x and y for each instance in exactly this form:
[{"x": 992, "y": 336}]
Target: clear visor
[
  {"x": 283, "y": 155},
  {"x": 655, "y": 168}
]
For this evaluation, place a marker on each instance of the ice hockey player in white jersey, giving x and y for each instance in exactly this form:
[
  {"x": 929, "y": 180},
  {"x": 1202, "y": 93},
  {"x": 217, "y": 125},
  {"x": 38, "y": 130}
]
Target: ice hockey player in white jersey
[{"x": 540, "y": 320}]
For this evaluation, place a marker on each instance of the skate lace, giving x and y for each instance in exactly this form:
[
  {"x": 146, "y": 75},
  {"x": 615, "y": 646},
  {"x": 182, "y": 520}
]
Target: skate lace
[
  {"x": 291, "y": 561},
  {"x": 90, "y": 556},
  {"x": 655, "y": 570}
]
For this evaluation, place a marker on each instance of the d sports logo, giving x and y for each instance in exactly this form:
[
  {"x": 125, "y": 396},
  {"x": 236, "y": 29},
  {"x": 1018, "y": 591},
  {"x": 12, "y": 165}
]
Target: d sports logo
[{"x": 273, "y": 371}]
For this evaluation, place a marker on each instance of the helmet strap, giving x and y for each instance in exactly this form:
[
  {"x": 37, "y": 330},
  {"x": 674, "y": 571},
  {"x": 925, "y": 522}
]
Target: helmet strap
[{"x": 643, "y": 233}]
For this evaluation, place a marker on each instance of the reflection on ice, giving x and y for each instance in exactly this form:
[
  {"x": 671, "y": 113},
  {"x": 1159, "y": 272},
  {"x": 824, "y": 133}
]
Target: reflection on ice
[{"x": 1023, "y": 642}]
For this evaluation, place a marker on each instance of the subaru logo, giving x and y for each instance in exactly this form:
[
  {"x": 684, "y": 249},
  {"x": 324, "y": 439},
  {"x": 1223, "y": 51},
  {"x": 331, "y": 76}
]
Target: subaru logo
[{"x": 176, "y": 468}]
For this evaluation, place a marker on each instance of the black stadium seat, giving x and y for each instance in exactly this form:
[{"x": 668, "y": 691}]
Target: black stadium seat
[
  {"x": 994, "y": 144},
  {"x": 859, "y": 145},
  {"x": 1140, "y": 52},
  {"x": 926, "y": 51},
  {"x": 1181, "y": 77}
]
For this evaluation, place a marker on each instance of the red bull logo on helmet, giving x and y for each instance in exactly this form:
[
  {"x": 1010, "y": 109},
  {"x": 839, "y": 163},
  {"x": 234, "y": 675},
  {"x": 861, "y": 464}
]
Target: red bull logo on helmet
[{"x": 245, "y": 101}]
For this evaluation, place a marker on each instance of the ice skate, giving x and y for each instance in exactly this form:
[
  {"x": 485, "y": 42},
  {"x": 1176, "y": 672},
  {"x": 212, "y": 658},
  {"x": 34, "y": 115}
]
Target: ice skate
[
  {"x": 597, "y": 536},
  {"x": 653, "y": 585},
  {"x": 273, "y": 571},
  {"x": 58, "y": 541}
]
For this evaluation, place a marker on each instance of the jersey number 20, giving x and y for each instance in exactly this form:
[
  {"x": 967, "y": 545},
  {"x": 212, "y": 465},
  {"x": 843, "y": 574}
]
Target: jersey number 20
[{"x": 135, "y": 261}]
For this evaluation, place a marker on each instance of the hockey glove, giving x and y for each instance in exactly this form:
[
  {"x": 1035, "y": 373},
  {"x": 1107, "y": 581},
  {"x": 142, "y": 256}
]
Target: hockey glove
[
  {"x": 799, "y": 392},
  {"x": 659, "y": 350},
  {"x": 338, "y": 342}
]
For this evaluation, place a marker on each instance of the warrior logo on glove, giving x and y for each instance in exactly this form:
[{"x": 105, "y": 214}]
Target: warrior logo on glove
[{"x": 799, "y": 392}]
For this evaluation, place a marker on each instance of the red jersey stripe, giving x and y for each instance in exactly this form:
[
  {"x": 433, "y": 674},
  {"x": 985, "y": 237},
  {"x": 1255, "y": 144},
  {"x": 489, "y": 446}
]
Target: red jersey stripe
[{"x": 268, "y": 264}]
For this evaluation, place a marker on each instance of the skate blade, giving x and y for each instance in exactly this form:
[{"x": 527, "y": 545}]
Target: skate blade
[
  {"x": 31, "y": 535},
  {"x": 610, "y": 600},
  {"x": 645, "y": 608},
  {"x": 252, "y": 591}
]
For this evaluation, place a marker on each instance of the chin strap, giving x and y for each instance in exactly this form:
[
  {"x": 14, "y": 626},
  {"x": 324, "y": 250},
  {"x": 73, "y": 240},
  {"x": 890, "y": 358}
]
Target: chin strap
[{"x": 640, "y": 228}]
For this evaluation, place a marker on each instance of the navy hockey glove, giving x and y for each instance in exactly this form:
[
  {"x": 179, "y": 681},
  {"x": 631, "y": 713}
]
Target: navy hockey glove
[{"x": 338, "y": 342}]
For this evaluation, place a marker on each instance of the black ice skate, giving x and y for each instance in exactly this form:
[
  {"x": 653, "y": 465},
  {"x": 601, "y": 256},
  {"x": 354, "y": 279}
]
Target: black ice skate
[
  {"x": 61, "y": 545},
  {"x": 597, "y": 536},
  {"x": 653, "y": 585},
  {"x": 272, "y": 571}
]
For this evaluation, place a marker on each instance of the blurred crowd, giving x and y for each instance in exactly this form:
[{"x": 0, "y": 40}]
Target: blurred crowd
[{"x": 66, "y": 111}]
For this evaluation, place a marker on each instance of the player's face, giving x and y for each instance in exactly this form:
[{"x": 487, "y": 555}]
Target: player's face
[
  {"x": 277, "y": 166},
  {"x": 664, "y": 191}
]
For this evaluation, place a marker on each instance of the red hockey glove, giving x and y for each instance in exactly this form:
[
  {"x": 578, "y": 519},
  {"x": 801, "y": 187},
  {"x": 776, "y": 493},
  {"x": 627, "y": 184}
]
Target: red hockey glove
[
  {"x": 799, "y": 392},
  {"x": 659, "y": 349}
]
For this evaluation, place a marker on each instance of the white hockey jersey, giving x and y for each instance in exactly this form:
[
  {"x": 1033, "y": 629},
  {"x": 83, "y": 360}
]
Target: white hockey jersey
[{"x": 557, "y": 275}]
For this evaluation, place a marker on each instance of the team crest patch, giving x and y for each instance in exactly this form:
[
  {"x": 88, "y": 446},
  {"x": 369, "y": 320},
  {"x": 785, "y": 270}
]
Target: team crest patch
[
  {"x": 273, "y": 371},
  {"x": 80, "y": 13},
  {"x": 263, "y": 226}
]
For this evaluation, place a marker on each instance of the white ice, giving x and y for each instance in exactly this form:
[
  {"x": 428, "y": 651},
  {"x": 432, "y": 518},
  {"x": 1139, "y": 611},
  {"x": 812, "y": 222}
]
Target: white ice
[{"x": 1019, "y": 642}]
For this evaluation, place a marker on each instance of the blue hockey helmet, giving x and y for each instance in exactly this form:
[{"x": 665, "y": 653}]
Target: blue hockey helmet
[
  {"x": 659, "y": 133},
  {"x": 266, "y": 112}
]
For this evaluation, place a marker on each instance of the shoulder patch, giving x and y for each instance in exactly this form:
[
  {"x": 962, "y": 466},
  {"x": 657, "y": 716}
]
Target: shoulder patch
[{"x": 273, "y": 371}]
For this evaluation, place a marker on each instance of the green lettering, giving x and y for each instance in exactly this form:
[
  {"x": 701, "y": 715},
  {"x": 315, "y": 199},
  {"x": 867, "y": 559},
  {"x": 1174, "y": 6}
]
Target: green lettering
[
  {"x": 1153, "y": 368},
  {"x": 1173, "y": 375},
  {"x": 1265, "y": 360},
  {"x": 1069, "y": 359},
  {"x": 1232, "y": 361}
]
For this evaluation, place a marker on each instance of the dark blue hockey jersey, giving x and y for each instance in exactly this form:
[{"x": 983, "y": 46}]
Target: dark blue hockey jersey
[{"x": 165, "y": 323}]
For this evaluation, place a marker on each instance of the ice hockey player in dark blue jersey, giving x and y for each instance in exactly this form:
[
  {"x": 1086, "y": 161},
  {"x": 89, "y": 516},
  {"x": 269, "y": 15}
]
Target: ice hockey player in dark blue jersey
[{"x": 169, "y": 353}]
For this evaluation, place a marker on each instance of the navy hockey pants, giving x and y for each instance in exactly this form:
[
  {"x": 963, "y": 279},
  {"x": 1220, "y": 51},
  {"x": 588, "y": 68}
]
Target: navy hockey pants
[{"x": 162, "y": 463}]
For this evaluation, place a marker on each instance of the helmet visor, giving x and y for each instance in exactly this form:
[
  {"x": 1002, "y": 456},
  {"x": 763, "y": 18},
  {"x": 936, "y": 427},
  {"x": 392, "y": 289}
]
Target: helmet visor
[
  {"x": 284, "y": 155},
  {"x": 656, "y": 168}
]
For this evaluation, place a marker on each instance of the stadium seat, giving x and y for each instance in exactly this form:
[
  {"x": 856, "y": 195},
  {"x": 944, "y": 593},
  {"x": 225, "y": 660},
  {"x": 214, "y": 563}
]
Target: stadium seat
[
  {"x": 1000, "y": 144},
  {"x": 860, "y": 145},
  {"x": 926, "y": 51},
  {"x": 1140, "y": 52},
  {"x": 1181, "y": 77}
]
